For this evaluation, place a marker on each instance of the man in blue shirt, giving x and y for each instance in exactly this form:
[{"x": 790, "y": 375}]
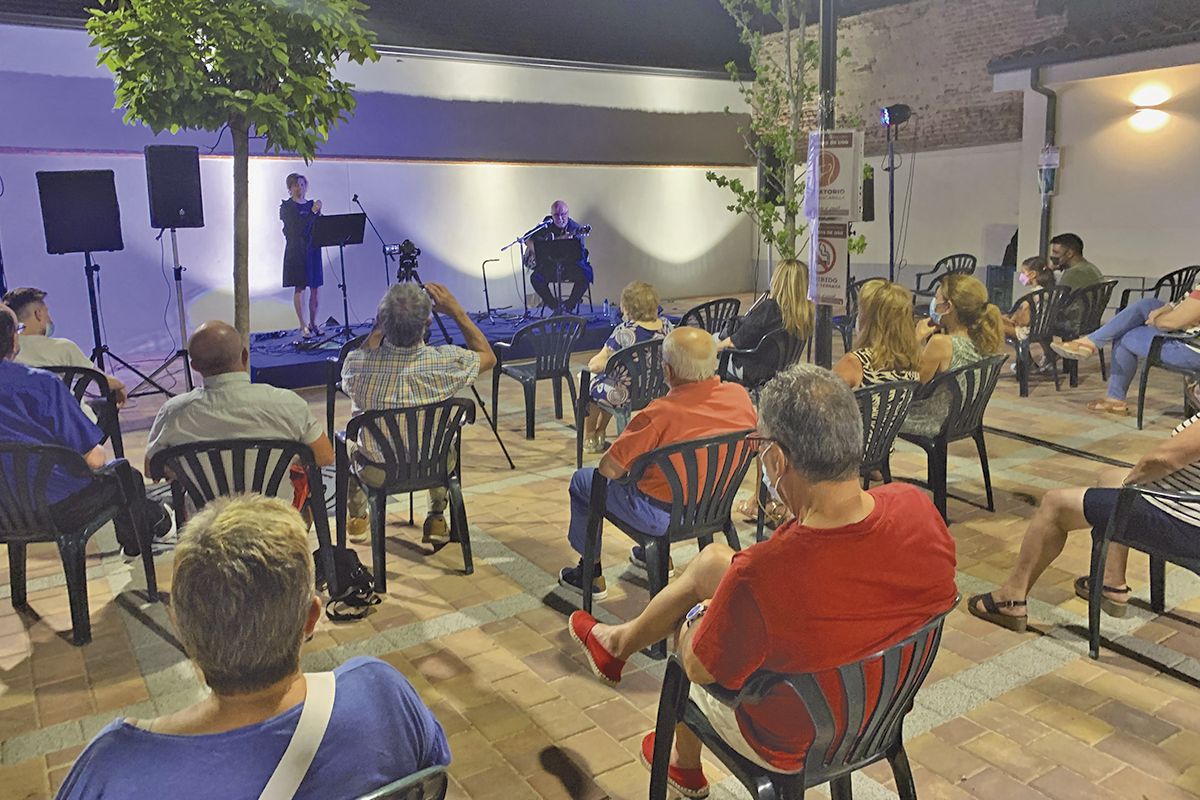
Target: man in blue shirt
[{"x": 37, "y": 408}]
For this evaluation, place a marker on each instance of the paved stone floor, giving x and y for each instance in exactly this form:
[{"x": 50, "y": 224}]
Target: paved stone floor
[{"x": 1002, "y": 716}]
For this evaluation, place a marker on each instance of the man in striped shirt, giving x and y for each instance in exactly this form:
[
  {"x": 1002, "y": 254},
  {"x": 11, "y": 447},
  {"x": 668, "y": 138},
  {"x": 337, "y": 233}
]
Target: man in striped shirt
[{"x": 1172, "y": 466}]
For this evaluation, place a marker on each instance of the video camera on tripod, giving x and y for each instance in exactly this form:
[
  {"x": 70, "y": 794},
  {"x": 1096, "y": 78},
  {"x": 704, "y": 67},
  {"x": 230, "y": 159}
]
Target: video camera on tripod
[{"x": 406, "y": 258}]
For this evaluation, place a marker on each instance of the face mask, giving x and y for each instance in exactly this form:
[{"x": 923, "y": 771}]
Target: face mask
[
  {"x": 772, "y": 488},
  {"x": 50, "y": 329},
  {"x": 1024, "y": 278},
  {"x": 1056, "y": 260},
  {"x": 934, "y": 315}
]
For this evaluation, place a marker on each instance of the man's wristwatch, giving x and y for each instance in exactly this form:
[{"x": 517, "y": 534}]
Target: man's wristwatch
[{"x": 696, "y": 612}]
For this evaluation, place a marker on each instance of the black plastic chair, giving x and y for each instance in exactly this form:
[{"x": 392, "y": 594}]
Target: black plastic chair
[
  {"x": 957, "y": 264},
  {"x": 203, "y": 471},
  {"x": 712, "y": 316},
  {"x": 700, "y": 504},
  {"x": 839, "y": 747},
  {"x": 1171, "y": 287},
  {"x": 415, "y": 445},
  {"x": 1088, "y": 306},
  {"x": 774, "y": 353},
  {"x": 845, "y": 322},
  {"x": 1154, "y": 359},
  {"x": 642, "y": 364},
  {"x": 86, "y": 384},
  {"x": 26, "y": 471},
  {"x": 1045, "y": 308},
  {"x": 428, "y": 784},
  {"x": 551, "y": 341},
  {"x": 883, "y": 408},
  {"x": 969, "y": 388},
  {"x": 333, "y": 379},
  {"x": 1118, "y": 523}
]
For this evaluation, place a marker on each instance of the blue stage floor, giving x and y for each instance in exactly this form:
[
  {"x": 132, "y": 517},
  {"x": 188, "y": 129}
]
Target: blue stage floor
[{"x": 275, "y": 358}]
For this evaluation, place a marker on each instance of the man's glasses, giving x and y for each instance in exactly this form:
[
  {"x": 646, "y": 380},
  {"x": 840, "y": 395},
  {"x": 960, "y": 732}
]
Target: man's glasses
[{"x": 759, "y": 443}]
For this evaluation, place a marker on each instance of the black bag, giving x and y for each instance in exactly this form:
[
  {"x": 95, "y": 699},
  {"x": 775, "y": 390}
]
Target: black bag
[{"x": 358, "y": 585}]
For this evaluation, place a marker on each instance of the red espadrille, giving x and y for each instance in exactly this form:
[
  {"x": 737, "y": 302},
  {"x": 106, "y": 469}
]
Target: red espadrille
[
  {"x": 605, "y": 665},
  {"x": 688, "y": 782}
]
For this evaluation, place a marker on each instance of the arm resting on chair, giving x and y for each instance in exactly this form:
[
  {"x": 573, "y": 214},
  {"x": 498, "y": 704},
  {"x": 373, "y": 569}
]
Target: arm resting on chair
[
  {"x": 1170, "y": 455},
  {"x": 1177, "y": 318}
]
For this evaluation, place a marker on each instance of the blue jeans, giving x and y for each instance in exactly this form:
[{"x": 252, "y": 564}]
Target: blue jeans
[
  {"x": 1130, "y": 318},
  {"x": 625, "y": 502},
  {"x": 1131, "y": 337}
]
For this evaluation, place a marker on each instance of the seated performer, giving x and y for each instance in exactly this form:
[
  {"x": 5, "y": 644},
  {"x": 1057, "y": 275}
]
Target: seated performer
[{"x": 579, "y": 274}]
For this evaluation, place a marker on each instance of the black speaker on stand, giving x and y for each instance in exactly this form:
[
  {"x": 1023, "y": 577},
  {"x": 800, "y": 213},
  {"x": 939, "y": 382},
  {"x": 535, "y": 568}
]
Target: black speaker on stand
[{"x": 173, "y": 183}]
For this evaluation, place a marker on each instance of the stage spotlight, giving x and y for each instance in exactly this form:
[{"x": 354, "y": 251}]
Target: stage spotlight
[{"x": 896, "y": 114}]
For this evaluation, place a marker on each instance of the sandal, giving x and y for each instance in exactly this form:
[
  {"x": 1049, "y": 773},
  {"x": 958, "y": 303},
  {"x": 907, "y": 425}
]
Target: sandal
[
  {"x": 1114, "y": 608},
  {"x": 991, "y": 612},
  {"x": 1075, "y": 349},
  {"x": 1107, "y": 406}
]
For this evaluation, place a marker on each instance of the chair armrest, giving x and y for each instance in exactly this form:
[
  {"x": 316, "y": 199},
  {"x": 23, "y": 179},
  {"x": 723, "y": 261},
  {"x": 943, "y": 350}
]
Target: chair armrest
[
  {"x": 1125, "y": 293},
  {"x": 497, "y": 346}
]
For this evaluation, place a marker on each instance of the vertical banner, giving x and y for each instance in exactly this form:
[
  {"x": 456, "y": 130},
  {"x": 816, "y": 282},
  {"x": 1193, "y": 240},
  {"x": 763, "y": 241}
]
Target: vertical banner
[
  {"x": 827, "y": 261},
  {"x": 832, "y": 200}
]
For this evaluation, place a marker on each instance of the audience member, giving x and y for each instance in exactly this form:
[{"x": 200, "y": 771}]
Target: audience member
[
  {"x": 1172, "y": 466},
  {"x": 1035, "y": 272},
  {"x": 853, "y": 573},
  {"x": 396, "y": 369},
  {"x": 1066, "y": 254},
  {"x": 243, "y": 605},
  {"x": 886, "y": 348},
  {"x": 698, "y": 405},
  {"x": 962, "y": 328},
  {"x": 1131, "y": 333},
  {"x": 786, "y": 305},
  {"x": 37, "y": 408},
  {"x": 642, "y": 322}
]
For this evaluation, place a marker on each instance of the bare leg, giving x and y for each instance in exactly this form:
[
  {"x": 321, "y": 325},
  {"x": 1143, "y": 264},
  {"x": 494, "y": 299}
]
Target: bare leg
[
  {"x": 313, "y": 302},
  {"x": 662, "y": 615},
  {"x": 602, "y": 419},
  {"x": 1061, "y": 511},
  {"x": 686, "y": 752},
  {"x": 298, "y": 304}
]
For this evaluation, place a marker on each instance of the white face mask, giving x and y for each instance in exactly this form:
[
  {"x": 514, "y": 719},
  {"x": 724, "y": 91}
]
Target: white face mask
[{"x": 772, "y": 488}]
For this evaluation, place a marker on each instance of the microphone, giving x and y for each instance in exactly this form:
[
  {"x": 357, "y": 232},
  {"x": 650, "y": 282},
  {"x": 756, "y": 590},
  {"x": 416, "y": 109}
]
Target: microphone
[
  {"x": 538, "y": 229},
  {"x": 354, "y": 199}
]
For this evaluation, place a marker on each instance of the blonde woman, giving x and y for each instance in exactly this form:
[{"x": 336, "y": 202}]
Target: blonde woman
[
  {"x": 786, "y": 305},
  {"x": 886, "y": 349},
  {"x": 963, "y": 328},
  {"x": 639, "y": 307}
]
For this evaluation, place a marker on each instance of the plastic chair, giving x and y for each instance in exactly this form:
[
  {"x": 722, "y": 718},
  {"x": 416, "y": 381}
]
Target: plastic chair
[
  {"x": 1045, "y": 307},
  {"x": 957, "y": 264},
  {"x": 428, "y": 784},
  {"x": 552, "y": 341},
  {"x": 26, "y": 471},
  {"x": 1175, "y": 285},
  {"x": 704, "y": 476},
  {"x": 414, "y": 445},
  {"x": 970, "y": 388},
  {"x": 774, "y": 353},
  {"x": 333, "y": 379},
  {"x": 1154, "y": 359},
  {"x": 203, "y": 471},
  {"x": 712, "y": 316},
  {"x": 883, "y": 408},
  {"x": 1117, "y": 524},
  {"x": 642, "y": 365},
  {"x": 840, "y": 747},
  {"x": 1091, "y": 302},
  {"x": 83, "y": 382}
]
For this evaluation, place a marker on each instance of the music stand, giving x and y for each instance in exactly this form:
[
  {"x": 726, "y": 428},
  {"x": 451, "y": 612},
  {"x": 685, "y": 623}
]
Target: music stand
[
  {"x": 339, "y": 230},
  {"x": 555, "y": 261}
]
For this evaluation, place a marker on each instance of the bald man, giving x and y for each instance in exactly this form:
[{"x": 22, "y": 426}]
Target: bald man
[
  {"x": 559, "y": 225},
  {"x": 697, "y": 406},
  {"x": 229, "y": 406}
]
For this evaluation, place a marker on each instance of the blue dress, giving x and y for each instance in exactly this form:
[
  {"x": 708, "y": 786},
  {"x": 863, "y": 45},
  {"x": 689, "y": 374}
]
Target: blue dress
[{"x": 301, "y": 261}]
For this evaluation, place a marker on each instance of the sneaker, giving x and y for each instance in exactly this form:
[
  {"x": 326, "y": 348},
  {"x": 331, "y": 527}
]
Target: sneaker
[
  {"x": 605, "y": 665},
  {"x": 637, "y": 557},
  {"x": 358, "y": 529},
  {"x": 572, "y": 578},
  {"x": 435, "y": 530},
  {"x": 688, "y": 782}
]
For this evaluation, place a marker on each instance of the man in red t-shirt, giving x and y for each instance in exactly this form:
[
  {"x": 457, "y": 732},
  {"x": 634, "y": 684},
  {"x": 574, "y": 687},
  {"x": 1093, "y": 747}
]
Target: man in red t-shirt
[
  {"x": 698, "y": 405},
  {"x": 853, "y": 573}
]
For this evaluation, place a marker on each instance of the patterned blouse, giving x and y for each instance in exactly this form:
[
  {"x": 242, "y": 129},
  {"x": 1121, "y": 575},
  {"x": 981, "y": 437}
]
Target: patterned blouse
[
  {"x": 613, "y": 390},
  {"x": 874, "y": 374}
]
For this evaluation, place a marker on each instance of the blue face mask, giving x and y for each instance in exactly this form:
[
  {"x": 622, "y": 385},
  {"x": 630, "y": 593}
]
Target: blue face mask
[
  {"x": 50, "y": 329},
  {"x": 934, "y": 315}
]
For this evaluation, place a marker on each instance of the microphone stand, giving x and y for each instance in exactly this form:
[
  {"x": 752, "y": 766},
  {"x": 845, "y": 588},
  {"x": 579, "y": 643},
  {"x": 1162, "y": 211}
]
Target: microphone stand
[
  {"x": 387, "y": 259},
  {"x": 491, "y": 313},
  {"x": 524, "y": 277}
]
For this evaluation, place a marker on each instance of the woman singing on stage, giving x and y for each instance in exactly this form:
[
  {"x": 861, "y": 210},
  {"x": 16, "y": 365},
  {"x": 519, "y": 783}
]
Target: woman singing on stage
[{"x": 301, "y": 261}]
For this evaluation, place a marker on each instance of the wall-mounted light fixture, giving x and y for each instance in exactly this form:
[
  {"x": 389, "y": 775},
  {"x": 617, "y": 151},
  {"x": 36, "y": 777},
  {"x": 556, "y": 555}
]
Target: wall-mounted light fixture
[{"x": 1148, "y": 117}]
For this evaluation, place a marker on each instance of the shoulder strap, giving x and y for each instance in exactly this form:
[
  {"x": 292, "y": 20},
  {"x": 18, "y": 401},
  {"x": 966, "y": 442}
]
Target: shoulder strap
[{"x": 310, "y": 730}]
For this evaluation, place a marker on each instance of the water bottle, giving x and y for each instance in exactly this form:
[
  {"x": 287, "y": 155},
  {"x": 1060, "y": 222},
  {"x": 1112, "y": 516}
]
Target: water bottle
[{"x": 607, "y": 315}]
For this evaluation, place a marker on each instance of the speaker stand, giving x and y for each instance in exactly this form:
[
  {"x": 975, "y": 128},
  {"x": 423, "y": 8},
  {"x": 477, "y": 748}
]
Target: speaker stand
[
  {"x": 100, "y": 349},
  {"x": 182, "y": 352}
]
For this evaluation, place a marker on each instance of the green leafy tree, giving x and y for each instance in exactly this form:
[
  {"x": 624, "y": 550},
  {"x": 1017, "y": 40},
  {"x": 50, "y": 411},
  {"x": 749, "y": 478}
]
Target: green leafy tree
[{"x": 262, "y": 68}]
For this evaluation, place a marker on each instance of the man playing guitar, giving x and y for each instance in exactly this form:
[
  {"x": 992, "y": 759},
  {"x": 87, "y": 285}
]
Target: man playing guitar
[{"x": 559, "y": 225}]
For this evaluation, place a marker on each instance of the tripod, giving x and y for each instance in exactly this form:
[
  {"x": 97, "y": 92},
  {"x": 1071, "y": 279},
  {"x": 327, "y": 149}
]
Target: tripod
[
  {"x": 182, "y": 352},
  {"x": 99, "y": 348}
]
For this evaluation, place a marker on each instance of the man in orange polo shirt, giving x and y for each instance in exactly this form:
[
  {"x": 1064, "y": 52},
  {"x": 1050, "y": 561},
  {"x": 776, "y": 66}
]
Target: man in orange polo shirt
[{"x": 698, "y": 405}]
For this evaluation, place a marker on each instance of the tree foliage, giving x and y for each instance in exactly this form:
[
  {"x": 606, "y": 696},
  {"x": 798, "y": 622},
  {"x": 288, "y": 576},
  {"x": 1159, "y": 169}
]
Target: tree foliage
[{"x": 261, "y": 67}]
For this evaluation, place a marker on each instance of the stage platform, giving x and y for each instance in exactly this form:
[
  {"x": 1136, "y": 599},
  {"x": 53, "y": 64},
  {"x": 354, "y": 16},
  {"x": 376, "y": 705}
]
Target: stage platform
[{"x": 277, "y": 358}]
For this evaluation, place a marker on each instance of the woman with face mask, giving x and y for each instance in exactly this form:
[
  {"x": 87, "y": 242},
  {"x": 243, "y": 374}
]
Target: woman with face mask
[{"x": 963, "y": 327}]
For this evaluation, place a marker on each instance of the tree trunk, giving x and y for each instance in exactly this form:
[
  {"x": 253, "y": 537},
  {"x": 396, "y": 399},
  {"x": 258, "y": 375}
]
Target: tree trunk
[{"x": 240, "y": 130}]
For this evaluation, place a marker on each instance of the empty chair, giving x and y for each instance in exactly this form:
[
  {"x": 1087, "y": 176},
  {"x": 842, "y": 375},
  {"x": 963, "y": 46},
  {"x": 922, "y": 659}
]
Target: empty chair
[
  {"x": 91, "y": 386},
  {"x": 712, "y": 316},
  {"x": 1091, "y": 303},
  {"x": 637, "y": 371},
  {"x": 957, "y": 264},
  {"x": 883, "y": 407},
  {"x": 333, "y": 380},
  {"x": 551, "y": 341},
  {"x": 1170, "y": 288}
]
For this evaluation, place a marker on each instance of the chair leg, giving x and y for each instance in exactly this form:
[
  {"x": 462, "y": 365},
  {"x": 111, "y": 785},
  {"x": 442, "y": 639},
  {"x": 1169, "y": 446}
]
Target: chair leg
[
  {"x": 378, "y": 512},
  {"x": 658, "y": 559},
  {"x": 1095, "y": 588},
  {"x": 905, "y": 788},
  {"x": 1103, "y": 365},
  {"x": 981, "y": 446},
  {"x": 1142, "y": 393},
  {"x": 16, "y": 573},
  {"x": 886, "y": 469},
  {"x": 1054, "y": 369},
  {"x": 839, "y": 789},
  {"x": 458, "y": 520},
  {"x": 571, "y": 387},
  {"x": 410, "y": 508},
  {"x": 72, "y": 551},
  {"x": 1023, "y": 370},
  {"x": 495, "y": 396},
  {"x": 558, "y": 398},
  {"x": 1073, "y": 370},
  {"x": 530, "y": 406},
  {"x": 731, "y": 537},
  {"x": 936, "y": 474},
  {"x": 1158, "y": 584}
]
